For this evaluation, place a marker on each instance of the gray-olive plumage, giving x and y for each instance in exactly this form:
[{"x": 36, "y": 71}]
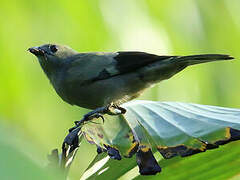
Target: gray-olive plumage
[{"x": 93, "y": 80}]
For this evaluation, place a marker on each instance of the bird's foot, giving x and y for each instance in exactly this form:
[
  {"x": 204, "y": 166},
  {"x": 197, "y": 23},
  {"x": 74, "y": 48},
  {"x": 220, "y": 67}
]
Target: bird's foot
[{"x": 111, "y": 109}]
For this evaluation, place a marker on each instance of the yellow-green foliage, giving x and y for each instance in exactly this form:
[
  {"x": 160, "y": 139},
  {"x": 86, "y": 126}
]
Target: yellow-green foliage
[{"x": 29, "y": 103}]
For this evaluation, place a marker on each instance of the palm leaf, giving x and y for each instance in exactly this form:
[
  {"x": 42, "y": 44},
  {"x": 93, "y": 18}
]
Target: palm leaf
[{"x": 171, "y": 128}]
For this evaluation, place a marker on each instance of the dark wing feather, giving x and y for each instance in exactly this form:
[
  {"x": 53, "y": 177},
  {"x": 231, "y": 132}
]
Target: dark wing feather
[{"x": 130, "y": 60}]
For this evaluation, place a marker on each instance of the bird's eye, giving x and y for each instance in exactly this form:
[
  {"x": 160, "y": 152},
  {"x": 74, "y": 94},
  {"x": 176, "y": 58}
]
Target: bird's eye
[{"x": 53, "y": 48}]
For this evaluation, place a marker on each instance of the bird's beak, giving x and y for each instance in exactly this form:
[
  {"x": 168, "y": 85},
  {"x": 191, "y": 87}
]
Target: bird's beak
[{"x": 36, "y": 51}]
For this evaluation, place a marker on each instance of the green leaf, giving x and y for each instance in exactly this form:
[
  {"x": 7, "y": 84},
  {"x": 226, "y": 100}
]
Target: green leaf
[
  {"x": 16, "y": 160},
  {"x": 174, "y": 129},
  {"x": 104, "y": 168}
]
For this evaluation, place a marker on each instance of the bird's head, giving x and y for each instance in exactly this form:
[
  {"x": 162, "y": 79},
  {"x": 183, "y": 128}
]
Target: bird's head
[{"x": 52, "y": 56}]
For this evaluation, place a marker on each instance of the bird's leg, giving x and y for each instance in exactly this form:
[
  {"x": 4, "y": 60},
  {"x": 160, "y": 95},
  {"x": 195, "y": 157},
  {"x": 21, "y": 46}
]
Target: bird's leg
[{"x": 111, "y": 109}]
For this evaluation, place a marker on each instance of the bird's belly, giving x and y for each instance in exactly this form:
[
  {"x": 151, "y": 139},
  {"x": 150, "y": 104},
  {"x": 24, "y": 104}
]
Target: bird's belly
[
  {"x": 94, "y": 96},
  {"x": 101, "y": 93}
]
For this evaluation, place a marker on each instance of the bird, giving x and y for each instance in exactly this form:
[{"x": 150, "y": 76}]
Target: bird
[{"x": 94, "y": 80}]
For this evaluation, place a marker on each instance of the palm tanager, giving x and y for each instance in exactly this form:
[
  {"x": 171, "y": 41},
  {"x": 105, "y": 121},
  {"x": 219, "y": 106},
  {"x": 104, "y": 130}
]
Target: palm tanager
[{"x": 97, "y": 79}]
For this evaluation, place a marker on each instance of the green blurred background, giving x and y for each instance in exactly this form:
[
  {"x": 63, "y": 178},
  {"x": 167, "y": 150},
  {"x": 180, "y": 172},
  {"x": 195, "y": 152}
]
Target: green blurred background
[{"x": 31, "y": 111}]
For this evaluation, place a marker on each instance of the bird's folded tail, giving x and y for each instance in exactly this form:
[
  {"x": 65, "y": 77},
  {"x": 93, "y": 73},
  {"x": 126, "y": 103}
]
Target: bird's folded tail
[
  {"x": 203, "y": 58},
  {"x": 167, "y": 68}
]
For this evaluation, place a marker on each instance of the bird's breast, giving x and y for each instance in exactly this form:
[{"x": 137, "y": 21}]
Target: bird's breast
[{"x": 58, "y": 82}]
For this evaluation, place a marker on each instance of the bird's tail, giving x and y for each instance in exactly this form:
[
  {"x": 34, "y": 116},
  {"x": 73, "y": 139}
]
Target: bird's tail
[
  {"x": 165, "y": 69},
  {"x": 203, "y": 58}
]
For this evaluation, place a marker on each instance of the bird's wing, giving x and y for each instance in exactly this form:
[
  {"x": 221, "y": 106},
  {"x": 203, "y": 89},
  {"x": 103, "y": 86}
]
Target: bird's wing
[
  {"x": 98, "y": 66},
  {"x": 129, "y": 60}
]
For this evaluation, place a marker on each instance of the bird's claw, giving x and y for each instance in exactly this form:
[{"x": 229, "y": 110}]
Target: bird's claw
[
  {"x": 111, "y": 109},
  {"x": 87, "y": 118},
  {"x": 96, "y": 115}
]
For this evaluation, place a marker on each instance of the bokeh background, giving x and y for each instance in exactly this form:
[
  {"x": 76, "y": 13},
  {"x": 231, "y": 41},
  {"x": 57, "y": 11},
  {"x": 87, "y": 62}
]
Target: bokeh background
[{"x": 34, "y": 120}]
